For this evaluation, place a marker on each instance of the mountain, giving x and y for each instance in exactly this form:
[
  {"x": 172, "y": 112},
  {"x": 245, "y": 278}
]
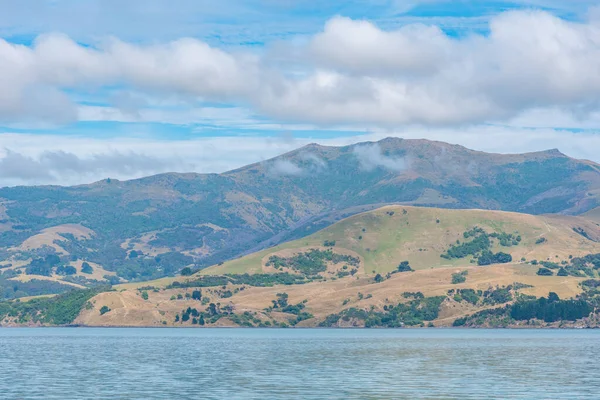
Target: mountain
[
  {"x": 152, "y": 227},
  {"x": 394, "y": 266}
]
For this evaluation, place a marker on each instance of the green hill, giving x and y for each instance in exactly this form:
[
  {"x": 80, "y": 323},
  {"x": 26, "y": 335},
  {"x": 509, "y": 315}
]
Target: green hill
[{"x": 384, "y": 237}]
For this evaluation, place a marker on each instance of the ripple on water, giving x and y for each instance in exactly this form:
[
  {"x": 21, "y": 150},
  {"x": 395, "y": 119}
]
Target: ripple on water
[{"x": 63, "y": 363}]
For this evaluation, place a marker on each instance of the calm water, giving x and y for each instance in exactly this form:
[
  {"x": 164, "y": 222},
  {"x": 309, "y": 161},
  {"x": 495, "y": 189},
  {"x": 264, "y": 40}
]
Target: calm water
[{"x": 78, "y": 363}]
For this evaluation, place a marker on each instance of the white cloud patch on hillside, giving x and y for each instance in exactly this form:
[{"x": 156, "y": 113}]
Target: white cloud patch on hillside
[
  {"x": 370, "y": 157},
  {"x": 283, "y": 167}
]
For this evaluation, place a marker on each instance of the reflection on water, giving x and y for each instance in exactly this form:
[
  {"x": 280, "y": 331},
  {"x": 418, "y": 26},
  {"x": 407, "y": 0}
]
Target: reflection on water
[{"x": 77, "y": 363}]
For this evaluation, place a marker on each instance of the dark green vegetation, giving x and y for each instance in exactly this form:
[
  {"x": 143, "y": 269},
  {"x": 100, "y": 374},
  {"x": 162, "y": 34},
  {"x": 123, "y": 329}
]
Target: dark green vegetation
[
  {"x": 261, "y": 280},
  {"x": 576, "y": 266},
  {"x": 459, "y": 277},
  {"x": 59, "y": 310},
  {"x": 478, "y": 243},
  {"x": 490, "y": 297},
  {"x": 219, "y": 212},
  {"x": 412, "y": 313},
  {"x": 12, "y": 289},
  {"x": 404, "y": 267},
  {"x": 312, "y": 262},
  {"x": 534, "y": 311}
]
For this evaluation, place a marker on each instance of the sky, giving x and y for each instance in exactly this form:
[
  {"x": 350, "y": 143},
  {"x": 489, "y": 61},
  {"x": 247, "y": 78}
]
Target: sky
[{"x": 91, "y": 89}]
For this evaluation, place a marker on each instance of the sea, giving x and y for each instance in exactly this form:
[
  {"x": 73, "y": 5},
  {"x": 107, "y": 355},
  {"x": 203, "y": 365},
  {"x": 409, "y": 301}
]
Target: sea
[{"x": 181, "y": 363}]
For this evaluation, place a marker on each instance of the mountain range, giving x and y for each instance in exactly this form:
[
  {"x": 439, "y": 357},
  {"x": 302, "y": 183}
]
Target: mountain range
[{"x": 155, "y": 226}]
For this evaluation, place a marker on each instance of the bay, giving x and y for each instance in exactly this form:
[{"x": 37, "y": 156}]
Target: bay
[{"x": 137, "y": 363}]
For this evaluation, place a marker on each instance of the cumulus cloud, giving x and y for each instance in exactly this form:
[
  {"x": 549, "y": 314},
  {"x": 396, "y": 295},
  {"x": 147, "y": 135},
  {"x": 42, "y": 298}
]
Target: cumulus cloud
[
  {"x": 185, "y": 67},
  {"x": 419, "y": 75},
  {"x": 370, "y": 157},
  {"x": 354, "y": 73}
]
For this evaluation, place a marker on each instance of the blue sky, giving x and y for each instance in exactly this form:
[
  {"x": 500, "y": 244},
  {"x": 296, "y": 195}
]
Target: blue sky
[{"x": 207, "y": 86}]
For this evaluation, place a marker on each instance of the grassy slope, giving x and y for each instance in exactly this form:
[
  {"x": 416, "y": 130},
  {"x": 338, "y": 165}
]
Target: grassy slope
[
  {"x": 390, "y": 238},
  {"x": 417, "y": 237},
  {"x": 324, "y": 298},
  {"x": 593, "y": 215}
]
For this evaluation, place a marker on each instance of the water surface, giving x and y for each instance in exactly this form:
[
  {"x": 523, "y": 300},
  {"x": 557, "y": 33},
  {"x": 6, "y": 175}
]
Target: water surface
[{"x": 88, "y": 363}]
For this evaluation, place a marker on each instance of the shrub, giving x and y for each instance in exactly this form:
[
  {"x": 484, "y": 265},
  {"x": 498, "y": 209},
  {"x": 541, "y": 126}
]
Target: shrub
[
  {"x": 104, "y": 310},
  {"x": 404, "y": 267},
  {"x": 459, "y": 277},
  {"x": 86, "y": 268}
]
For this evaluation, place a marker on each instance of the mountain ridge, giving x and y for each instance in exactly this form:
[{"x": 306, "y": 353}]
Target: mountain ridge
[{"x": 174, "y": 220}]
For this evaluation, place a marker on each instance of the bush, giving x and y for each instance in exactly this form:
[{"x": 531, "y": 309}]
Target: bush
[
  {"x": 104, "y": 310},
  {"x": 544, "y": 272},
  {"x": 459, "y": 277},
  {"x": 86, "y": 268},
  {"x": 404, "y": 267}
]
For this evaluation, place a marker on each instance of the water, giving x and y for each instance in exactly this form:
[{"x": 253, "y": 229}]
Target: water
[{"x": 87, "y": 363}]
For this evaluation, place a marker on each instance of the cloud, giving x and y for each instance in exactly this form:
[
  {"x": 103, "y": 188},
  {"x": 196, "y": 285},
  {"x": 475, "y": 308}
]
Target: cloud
[
  {"x": 41, "y": 74},
  {"x": 282, "y": 167},
  {"x": 61, "y": 166},
  {"x": 419, "y": 75},
  {"x": 353, "y": 73},
  {"x": 370, "y": 157}
]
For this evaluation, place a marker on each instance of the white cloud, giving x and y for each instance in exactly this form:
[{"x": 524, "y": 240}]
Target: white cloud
[
  {"x": 186, "y": 67},
  {"x": 370, "y": 157},
  {"x": 418, "y": 75},
  {"x": 355, "y": 73},
  {"x": 283, "y": 167}
]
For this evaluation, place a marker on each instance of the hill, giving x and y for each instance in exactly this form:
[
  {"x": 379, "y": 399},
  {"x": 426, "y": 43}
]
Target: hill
[
  {"x": 394, "y": 266},
  {"x": 384, "y": 237},
  {"x": 153, "y": 227}
]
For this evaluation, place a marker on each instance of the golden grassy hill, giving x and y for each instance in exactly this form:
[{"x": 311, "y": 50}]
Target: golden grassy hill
[
  {"x": 384, "y": 237},
  {"x": 381, "y": 239}
]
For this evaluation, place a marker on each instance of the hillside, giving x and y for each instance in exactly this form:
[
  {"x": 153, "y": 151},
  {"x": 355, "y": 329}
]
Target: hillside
[
  {"x": 153, "y": 227},
  {"x": 413, "y": 266},
  {"x": 593, "y": 215},
  {"x": 384, "y": 237}
]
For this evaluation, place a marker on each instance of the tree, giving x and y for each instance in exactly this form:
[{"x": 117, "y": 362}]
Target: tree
[
  {"x": 404, "y": 267},
  {"x": 562, "y": 272},
  {"x": 133, "y": 254},
  {"x": 187, "y": 271},
  {"x": 104, "y": 310},
  {"x": 378, "y": 278},
  {"x": 197, "y": 295},
  {"x": 552, "y": 297},
  {"x": 544, "y": 272},
  {"x": 282, "y": 300},
  {"x": 145, "y": 295},
  {"x": 86, "y": 268}
]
